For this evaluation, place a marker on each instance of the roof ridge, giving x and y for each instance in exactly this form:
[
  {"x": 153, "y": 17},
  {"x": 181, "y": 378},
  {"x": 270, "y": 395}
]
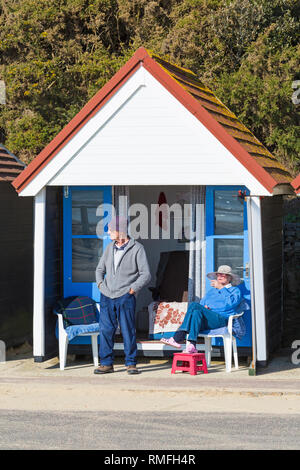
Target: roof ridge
[
  {"x": 2, "y": 147},
  {"x": 159, "y": 57}
]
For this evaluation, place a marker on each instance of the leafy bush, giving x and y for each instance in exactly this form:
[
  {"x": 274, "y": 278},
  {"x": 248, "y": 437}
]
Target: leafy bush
[{"x": 56, "y": 54}]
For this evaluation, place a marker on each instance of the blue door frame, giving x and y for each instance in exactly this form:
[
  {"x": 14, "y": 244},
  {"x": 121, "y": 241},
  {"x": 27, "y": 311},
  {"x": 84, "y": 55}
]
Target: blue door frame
[
  {"x": 71, "y": 286},
  {"x": 240, "y": 239}
]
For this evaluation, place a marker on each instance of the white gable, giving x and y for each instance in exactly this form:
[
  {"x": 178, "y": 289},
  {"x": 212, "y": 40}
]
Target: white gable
[{"x": 143, "y": 136}]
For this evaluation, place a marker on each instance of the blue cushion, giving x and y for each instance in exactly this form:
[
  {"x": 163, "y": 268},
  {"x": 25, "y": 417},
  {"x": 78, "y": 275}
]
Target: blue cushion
[
  {"x": 216, "y": 331},
  {"x": 157, "y": 336},
  {"x": 79, "y": 310},
  {"x": 75, "y": 330},
  {"x": 238, "y": 329}
]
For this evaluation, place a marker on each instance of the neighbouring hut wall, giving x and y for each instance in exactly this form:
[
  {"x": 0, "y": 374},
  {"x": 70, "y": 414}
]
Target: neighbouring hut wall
[
  {"x": 291, "y": 269},
  {"x": 53, "y": 267},
  {"x": 16, "y": 274},
  {"x": 272, "y": 237}
]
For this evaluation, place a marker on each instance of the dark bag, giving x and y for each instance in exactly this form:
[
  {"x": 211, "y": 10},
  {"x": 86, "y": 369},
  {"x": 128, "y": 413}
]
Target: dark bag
[{"x": 78, "y": 310}]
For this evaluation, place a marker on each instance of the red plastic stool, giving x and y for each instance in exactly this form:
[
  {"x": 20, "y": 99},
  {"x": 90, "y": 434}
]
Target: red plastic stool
[{"x": 189, "y": 363}]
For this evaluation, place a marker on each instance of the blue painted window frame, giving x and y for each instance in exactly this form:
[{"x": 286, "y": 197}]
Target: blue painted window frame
[
  {"x": 79, "y": 288},
  {"x": 210, "y": 255}
]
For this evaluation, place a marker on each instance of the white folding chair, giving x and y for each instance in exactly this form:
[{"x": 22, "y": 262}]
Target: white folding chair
[
  {"x": 63, "y": 342},
  {"x": 229, "y": 341}
]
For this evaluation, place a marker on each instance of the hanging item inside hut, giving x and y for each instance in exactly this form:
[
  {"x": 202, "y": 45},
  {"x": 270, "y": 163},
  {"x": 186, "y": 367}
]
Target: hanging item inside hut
[{"x": 162, "y": 213}]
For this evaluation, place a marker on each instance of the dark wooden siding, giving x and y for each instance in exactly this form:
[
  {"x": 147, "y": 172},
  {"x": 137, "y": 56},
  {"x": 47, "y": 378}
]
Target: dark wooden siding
[
  {"x": 16, "y": 273},
  {"x": 291, "y": 272},
  {"x": 53, "y": 267},
  {"x": 272, "y": 236}
]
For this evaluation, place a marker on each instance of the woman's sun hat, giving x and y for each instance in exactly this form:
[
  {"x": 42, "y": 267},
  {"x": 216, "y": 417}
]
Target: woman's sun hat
[{"x": 224, "y": 269}]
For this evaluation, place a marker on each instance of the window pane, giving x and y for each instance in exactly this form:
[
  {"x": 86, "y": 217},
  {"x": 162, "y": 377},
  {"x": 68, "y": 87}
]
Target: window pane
[
  {"x": 85, "y": 256},
  {"x": 230, "y": 252},
  {"x": 84, "y": 206},
  {"x": 229, "y": 213}
]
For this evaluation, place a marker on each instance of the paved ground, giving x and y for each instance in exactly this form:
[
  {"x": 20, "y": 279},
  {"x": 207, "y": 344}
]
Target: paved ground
[
  {"x": 43, "y": 407},
  {"x": 25, "y": 384},
  {"x": 110, "y": 431}
]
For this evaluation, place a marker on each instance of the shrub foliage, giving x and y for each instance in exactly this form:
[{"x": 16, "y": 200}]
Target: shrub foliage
[{"x": 56, "y": 54}]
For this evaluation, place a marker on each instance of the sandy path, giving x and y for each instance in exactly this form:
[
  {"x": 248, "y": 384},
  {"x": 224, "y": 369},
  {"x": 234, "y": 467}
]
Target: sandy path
[{"x": 89, "y": 397}]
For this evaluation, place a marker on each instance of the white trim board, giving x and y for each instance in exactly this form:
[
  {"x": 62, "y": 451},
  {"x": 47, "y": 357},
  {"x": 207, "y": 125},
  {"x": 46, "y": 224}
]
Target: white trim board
[
  {"x": 39, "y": 273},
  {"x": 157, "y": 349}
]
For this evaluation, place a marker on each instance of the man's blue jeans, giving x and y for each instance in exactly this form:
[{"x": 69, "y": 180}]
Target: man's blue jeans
[
  {"x": 199, "y": 318},
  {"x": 113, "y": 311}
]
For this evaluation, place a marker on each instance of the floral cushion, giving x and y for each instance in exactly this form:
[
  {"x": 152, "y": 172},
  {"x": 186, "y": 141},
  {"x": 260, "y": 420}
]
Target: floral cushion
[{"x": 165, "y": 318}]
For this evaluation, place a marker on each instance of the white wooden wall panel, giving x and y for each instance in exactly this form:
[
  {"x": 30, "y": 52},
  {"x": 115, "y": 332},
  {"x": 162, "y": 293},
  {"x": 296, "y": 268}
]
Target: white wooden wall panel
[{"x": 143, "y": 136}]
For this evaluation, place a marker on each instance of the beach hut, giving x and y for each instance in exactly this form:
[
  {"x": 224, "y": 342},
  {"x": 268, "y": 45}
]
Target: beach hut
[
  {"x": 157, "y": 136},
  {"x": 16, "y": 255}
]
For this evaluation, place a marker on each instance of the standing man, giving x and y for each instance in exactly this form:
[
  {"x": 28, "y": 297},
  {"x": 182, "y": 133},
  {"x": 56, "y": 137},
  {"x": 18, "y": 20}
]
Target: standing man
[{"x": 121, "y": 273}]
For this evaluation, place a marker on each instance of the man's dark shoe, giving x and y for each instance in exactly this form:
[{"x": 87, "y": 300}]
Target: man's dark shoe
[
  {"x": 132, "y": 370},
  {"x": 104, "y": 370}
]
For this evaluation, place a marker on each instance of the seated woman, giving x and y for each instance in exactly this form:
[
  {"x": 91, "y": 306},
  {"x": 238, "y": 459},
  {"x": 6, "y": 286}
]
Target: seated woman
[{"x": 213, "y": 310}]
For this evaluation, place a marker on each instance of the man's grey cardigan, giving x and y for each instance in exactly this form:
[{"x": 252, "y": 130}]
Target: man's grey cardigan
[{"x": 132, "y": 272}]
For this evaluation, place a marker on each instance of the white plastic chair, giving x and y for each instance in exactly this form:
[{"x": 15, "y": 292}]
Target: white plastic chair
[
  {"x": 64, "y": 342},
  {"x": 229, "y": 340}
]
